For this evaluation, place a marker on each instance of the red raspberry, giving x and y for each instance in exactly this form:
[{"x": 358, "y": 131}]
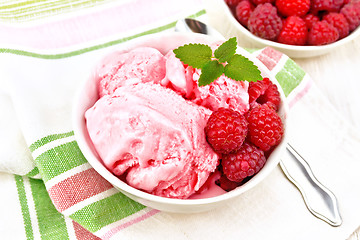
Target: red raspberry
[
  {"x": 294, "y": 31},
  {"x": 310, "y": 19},
  {"x": 351, "y": 12},
  {"x": 265, "y": 127},
  {"x": 243, "y": 11},
  {"x": 226, "y": 184},
  {"x": 326, "y": 5},
  {"x": 339, "y": 21},
  {"x": 244, "y": 163},
  {"x": 264, "y": 22},
  {"x": 264, "y": 92},
  {"x": 226, "y": 130},
  {"x": 322, "y": 33},
  {"x": 232, "y": 3},
  {"x": 293, "y": 7},
  {"x": 257, "y": 2}
]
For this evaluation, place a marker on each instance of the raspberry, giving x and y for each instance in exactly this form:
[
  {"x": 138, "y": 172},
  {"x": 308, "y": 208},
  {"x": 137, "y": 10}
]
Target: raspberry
[
  {"x": 310, "y": 19},
  {"x": 322, "y": 33},
  {"x": 243, "y": 11},
  {"x": 265, "y": 127},
  {"x": 339, "y": 21},
  {"x": 244, "y": 163},
  {"x": 257, "y": 2},
  {"x": 264, "y": 22},
  {"x": 226, "y": 130},
  {"x": 226, "y": 184},
  {"x": 293, "y": 7},
  {"x": 294, "y": 31},
  {"x": 232, "y": 3},
  {"x": 264, "y": 92},
  {"x": 326, "y": 5},
  {"x": 351, "y": 12}
]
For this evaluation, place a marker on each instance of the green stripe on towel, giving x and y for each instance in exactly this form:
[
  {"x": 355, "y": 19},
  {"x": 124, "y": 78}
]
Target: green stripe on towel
[
  {"x": 33, "y": 172},
  {"x": 59, "y": 159},
  {"x": 108, "y": 210},
  {"x": 48, "y": 139},
  {"x": 31, "y": 10},
  {"x": 84, "y": 50},
  {"x": 290, "y": 76},
  {"x": 24, "y": 207},
  {"x": 27, "y": 6},
  {"x": 51, "y": 223}
]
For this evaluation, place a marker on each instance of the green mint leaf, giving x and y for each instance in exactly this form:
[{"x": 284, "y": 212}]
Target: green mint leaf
[
  {"x": 211, "y": 71},
  {"x": 226, "y": 50},
  {"x": 240, "y": 68},
  {"x": 195, "y": 55},
  {"x": 224, "y": 61}
]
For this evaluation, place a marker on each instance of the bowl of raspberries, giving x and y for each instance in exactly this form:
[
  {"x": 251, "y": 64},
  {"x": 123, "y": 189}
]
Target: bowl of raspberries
[{"x": 298, "y": 28}]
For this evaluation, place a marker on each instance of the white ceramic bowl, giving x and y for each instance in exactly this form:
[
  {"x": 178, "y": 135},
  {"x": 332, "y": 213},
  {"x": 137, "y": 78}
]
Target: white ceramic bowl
[
  {"x": 222, "y": 19},
  {"x": 87, "y": 96}
]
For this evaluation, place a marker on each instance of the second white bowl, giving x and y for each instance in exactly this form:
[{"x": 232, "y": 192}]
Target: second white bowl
[{"x": 222, "y": 19}]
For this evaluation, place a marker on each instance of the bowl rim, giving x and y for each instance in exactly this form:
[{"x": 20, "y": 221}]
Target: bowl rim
[
  {"x": 307, "y": 48},
  {"x": 80, "y": 133}
]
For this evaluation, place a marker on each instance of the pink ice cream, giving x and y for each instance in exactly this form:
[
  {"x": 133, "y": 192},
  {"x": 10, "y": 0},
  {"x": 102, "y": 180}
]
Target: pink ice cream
[
  {"x": 223, "y": 92},
  {"x": 148, "y": 124},
  {"x": 139, "y": 65},
  {"x": 154, "y": 136}
]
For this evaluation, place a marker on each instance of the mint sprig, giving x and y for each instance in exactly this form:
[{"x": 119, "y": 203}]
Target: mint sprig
[
  {"x": 226, "y": 50},
  {"x": 224, "y": 60},
  {"x": 211, "y": 71},
  {"x": 241, "y": 68}
]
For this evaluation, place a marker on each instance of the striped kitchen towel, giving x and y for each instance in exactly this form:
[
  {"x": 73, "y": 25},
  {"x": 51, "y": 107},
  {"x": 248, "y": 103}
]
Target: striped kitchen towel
[{"x": 49, "y": 189}]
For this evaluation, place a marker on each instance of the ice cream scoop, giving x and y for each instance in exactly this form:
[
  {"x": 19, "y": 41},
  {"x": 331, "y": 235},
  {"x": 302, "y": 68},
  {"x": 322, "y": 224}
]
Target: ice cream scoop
[
  {"x": 154, "y": 138},
  {"x": 143, "y": 64}
]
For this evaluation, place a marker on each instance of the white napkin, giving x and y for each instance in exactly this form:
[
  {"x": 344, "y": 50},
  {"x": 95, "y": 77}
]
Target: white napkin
[{"x": 15, "y": 156}]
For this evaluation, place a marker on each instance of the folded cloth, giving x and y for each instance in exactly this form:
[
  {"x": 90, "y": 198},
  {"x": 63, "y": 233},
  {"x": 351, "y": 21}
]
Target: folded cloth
[
  {"x": 16, "y": 162},
  {"x": 53, "y": 192}
]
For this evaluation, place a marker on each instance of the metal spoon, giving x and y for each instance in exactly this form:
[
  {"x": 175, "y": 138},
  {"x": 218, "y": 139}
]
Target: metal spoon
[{"x": 320, "y": 201}]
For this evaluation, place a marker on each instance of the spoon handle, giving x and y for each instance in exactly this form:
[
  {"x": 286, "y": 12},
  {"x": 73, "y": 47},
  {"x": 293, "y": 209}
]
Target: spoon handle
[{"x": 319, "y": 200}]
